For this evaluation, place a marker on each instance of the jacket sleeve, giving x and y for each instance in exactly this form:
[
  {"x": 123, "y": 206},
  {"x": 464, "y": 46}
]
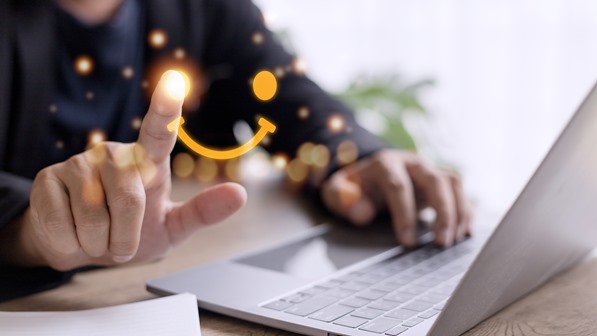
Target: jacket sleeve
[{"x": 238, "y": 45}]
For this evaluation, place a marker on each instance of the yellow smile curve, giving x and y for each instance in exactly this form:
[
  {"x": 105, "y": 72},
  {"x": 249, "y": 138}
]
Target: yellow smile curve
[{"x": 266, "y": 127}]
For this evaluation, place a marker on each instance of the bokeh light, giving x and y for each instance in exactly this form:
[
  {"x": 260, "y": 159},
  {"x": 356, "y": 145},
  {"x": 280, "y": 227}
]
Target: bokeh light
[
  {"x": 206, "y": 169},
  {"x": 176, "y": 85},
  {"x": 84, "y": 65},
  {"x": 279, "y": 161},
  {"x": 179, "y": 53},
  {"x": 279, "y": 71},
  {"x": 95, "y": 136},
  {"x": 336, "y": 123},
  {"x": 347, "y": 152},
  {"x": 89, "y": 95},
  {"x": 299, "y": 67},
  {"x": 303, "y": 113},
  {"x": 320, "y": 156},
  {"x": 297, "y": 171},
  {"x": 257, "y": 38},
  {"x": 265, "y": 85},
  {"x": 232, "y": 169},
  {"x": 53, "y": 108},
  {"x": 183, "y": 165},
  {"x": 128, "y": 72},
  {"x": 59, "y": 144},
  {"x": 136, "y": 123},
  {"x": 304, "y": 152},
  {"x": 157, "y": 38}
]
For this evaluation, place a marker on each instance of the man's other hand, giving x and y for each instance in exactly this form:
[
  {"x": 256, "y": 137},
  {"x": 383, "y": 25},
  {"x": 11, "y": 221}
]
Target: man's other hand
[
  {"x": 111, "y": 204},
  {"x": 402, "y": 183}
]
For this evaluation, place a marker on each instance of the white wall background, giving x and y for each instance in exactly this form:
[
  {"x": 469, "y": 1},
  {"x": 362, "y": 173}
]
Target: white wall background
[{"x": 508, "y": 73}]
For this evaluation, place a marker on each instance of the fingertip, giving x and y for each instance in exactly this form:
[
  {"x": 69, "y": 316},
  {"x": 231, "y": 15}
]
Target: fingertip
[
  {"x": 238, "y": 194},
  {"x": 362, "y": 212}
]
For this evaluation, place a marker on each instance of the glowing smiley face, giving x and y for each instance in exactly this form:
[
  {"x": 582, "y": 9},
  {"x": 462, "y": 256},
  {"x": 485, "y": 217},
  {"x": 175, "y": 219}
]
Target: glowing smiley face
[{"x": 265, "y": 87}]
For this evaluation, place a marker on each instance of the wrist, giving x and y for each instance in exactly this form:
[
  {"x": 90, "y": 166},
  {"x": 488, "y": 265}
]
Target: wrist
[{"x": 17, "y": 243}]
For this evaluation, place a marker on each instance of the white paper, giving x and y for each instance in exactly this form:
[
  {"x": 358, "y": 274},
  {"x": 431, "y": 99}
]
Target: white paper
[{"x": 172, "y": 315}]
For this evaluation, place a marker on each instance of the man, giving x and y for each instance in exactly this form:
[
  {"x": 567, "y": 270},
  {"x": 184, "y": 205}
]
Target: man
[{"x": 71, "y": 68}]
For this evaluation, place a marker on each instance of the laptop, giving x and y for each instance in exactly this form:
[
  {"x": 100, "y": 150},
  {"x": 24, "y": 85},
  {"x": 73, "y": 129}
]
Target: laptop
[{"x": 333, "y": 280}]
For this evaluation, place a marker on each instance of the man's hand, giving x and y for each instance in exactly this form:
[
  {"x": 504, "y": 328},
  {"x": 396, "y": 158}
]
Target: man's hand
[
  {"x": 111, "y": 203},
  {"x": 402, "y": 183}
]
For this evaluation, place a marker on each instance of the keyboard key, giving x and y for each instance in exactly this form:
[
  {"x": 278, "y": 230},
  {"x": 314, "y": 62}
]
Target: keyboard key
[
  {"x": 399, "y": 297},
  {"x": 371, "y": 294},
  {"x": 396, "y": 331},
  {"x": 412, "y": 322},
  {"x": 311, "y": 305},
  {"x": 314, "y": 290},
  {"x": 401, "y": 314},
  {"x": 278, "y": 305},
  {"x": 414, "y": 290},
  {"x": 367, "y": 313},
  {"x": 351, "y": 321},
  {"x": 418, "y": 306},
  {"x": 384, "y": 305},
  {"x": 429, "y": 314},
  {"x": 369, "y": 279},
  {"x": 340, "y": 293},
  {"x": 330, "y": 284},
  {"x": 297, "y": 298},
  {"x": 386, "y": 287},
  {"x": 432, "y": 298},
  {"x": 330, "y": 313},
  {"x": 380, "y": 325},
  {"x": 354, "y": 286},
  {"x": 350, "y": 276},
  {"x": 355, "y": 302}
]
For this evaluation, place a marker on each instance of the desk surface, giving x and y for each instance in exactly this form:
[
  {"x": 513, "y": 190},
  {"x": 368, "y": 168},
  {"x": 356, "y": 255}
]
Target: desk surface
[{"x": 567, "y": 305}]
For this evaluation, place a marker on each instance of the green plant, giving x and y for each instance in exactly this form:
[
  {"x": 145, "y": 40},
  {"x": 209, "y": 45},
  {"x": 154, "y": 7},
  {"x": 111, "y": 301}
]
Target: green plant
[{"x": 389, "y": 99}]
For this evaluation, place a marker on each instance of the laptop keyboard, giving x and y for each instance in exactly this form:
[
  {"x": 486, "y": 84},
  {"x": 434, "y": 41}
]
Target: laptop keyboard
[{"x": 388, "y": 297}]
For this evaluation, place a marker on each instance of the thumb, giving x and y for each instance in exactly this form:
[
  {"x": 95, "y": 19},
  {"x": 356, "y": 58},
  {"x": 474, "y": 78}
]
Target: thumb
[
  {"x": 343, "y": 195},
  {"x": 209, "y": 206}
]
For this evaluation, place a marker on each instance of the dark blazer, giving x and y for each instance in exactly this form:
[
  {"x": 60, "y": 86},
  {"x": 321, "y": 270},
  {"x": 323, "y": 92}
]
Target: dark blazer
[{"x": 217, "y": 36}]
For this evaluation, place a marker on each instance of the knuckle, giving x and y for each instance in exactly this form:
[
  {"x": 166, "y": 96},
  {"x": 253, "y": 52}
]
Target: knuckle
[
  {"x": 127, "y": 198},
  {"x": 55, "y": 222},
  {"x": 123, "y": 248},
  {"x": 397, "y": 185},
  {"x": 93, "y": 220}
]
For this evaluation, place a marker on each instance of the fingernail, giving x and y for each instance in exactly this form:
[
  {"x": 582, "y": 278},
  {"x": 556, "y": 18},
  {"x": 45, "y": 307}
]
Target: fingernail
[{"x": 122, "y": 259}]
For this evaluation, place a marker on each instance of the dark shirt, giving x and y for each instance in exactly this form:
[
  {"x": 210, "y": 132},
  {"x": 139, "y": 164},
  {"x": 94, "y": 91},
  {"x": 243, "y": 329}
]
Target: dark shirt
[
  {"x": 42, "y": 98},
  {"x": 107, "y": 100}
]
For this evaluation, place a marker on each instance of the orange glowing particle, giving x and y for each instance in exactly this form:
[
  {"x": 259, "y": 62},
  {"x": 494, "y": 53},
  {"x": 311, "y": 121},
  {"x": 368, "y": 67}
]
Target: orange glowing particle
[
  {"x": 257, "y": 38},
  {"x": 128, "y": 72},
  {"x": 95, "y": 136},
  {"x": 297, "y": 171},
  {"x": 157, "y": 39},
  {"x": 347, "y": 152},
  {"x": 179, "y": 53},
  {"x": 84, "y": 65},
  {"x": 145, "y": 84},
  {"x": 183, "y": 165},
  {"x": 299, "y": 66},
  {"x": 279, "y": 161},
  {"x": 303, "y": 113},
  {"x": 336, "y": 123},
  {"x": 136, "y": 123}
]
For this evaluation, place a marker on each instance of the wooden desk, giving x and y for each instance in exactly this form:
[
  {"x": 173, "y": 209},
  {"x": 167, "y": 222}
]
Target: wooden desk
[{"x": 567, "y": 305}]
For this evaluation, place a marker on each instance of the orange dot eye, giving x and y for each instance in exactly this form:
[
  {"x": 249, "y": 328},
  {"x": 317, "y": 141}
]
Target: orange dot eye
[{"x": 265, "y": 85}]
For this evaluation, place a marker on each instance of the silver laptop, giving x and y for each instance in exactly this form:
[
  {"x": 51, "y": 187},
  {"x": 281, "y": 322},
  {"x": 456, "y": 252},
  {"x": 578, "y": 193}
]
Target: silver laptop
[{"x": 338, "y": 281}]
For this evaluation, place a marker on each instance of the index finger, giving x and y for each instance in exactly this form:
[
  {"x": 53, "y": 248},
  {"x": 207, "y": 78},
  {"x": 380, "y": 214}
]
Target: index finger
[{"x": 166, "y": 106}]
